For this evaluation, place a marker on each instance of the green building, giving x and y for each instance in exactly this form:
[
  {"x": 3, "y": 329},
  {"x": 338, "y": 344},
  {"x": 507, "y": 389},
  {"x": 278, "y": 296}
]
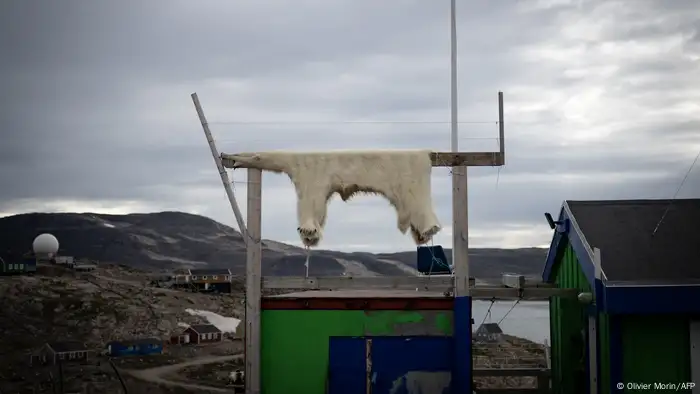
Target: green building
[
  {"x": 351, "y": 342},
  {"x": 640, "y": 262}
]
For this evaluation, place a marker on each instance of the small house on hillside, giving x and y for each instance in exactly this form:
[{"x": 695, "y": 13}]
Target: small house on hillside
[
  {"x": 63, "y": 351},
  {"x": 142, "y": 346},
  {"x": 488, "y": 332},
  {"x": 211, "y": 279},
  {"x": 636, "y": 264},
  {"x": 200, "y": 333}
]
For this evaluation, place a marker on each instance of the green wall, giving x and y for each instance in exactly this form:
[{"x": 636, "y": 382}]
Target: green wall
[
  {"x": 655, "y": 349},
  {"x": 294, "y": 343},
  {"x": 567, "y": 318}
]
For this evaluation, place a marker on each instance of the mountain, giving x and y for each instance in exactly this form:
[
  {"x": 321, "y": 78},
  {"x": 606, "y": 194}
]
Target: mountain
[{"x": 166, "y": 241}]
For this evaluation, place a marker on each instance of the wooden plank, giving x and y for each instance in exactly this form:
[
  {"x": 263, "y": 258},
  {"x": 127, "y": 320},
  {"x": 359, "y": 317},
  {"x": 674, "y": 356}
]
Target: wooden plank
[
  {"x": 460, "y": 231},
  {"x": 527, "y": 294},
  {"x": 421, "y": 283},
  {"x": 219, "y": 165},
  {"x": 439, "y": 159},
  {"x": 253, "y": 283},
  {"x": 470, "y": 159},
  {"x": 501, "y": 129},
  {"x": 431, "y": 284}
]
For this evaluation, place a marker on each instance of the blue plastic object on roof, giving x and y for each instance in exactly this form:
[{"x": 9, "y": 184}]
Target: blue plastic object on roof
[{"x": 432, "y": 260}]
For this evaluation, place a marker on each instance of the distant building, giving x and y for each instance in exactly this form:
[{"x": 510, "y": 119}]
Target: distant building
[
  {"x": 10, "y": 265},
  {"x": 211, "y": 279},
  {"x": 204, "y": 333},
  {"x": 63, "y": 260},
  {"x": 489, "y": 332},
  {"x": 142, "y": 346},
  {"x": 83, "y": 265},
  {"x": 64, "y": 351}
]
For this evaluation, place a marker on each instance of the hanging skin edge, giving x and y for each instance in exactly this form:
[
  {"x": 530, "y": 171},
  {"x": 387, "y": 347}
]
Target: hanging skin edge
[{"x": 400, "y": 176}]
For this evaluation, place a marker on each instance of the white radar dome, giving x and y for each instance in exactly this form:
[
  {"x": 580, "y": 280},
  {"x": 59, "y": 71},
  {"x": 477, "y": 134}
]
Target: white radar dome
[{"x": 45, "y": 244}]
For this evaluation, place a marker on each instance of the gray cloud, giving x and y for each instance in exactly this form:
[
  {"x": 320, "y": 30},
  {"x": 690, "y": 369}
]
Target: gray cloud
[{"x": 601, "y": 102}]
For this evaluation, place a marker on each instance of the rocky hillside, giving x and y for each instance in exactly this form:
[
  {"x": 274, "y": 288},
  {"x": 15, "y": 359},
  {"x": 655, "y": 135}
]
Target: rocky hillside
[{"x": 168, "y": 240}]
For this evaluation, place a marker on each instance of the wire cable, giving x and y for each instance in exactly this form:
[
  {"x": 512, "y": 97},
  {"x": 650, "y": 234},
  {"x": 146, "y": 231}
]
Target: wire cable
[
  {"x": 668, "y": 207},
  {"x": 509, "y": 310}
]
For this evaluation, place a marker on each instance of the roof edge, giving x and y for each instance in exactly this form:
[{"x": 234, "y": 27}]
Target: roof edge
[{"x": 577, "y": 239}]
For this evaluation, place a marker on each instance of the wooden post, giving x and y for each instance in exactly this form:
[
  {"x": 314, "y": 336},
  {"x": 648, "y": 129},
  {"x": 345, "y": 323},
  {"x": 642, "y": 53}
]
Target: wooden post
[
  {"x": 593, "y": 330},
  {"x": 219, "y": 165},
  {"x": 501, "y": 130},
  {"x": 462, "y": 362},
  {"x": 253, "y": 283}
]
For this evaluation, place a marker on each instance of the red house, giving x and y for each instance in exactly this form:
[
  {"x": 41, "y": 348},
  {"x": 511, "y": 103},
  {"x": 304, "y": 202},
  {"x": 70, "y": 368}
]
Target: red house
[{"x": 202, "y": 333}]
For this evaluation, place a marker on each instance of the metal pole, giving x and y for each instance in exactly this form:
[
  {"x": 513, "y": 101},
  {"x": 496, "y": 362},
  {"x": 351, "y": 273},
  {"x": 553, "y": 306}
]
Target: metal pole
[
  {"x": 453, "y": 76},
  {"x": 222, "y": 172}
]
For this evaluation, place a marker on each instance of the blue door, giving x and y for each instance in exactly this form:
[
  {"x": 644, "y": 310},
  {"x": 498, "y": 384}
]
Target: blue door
[
  {"x": 347, "y": 365},
  {"x": 416, "y": 365}
]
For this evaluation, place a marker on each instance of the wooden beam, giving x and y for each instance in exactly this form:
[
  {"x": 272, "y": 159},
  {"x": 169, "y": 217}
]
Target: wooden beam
[
  {"x": 442, "y": 284},
  {"x": 526, "y": 294},
  {"x": 253, "y": 282},
  {"x": 422, "y": 283},
  {"x": 440, "y": 159},
  {"x": 219, "y": 165},
  {"x": 469, "y": 159}
]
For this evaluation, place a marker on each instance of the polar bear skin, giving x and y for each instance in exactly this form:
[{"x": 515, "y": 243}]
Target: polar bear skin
[{"x": 401, "y": 176}]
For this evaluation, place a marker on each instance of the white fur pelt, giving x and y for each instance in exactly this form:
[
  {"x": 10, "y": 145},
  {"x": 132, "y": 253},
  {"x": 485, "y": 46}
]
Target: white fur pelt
[{"x": 401, "y": 176}]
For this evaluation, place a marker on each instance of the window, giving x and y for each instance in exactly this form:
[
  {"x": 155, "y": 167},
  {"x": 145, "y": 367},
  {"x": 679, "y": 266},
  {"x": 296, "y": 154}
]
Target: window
[
  {"x": 61, "y": 356},
  {"x": 21, "y": 266},
  {"x": 71, "y": 356},
  {"x": 204, "y": 277},
  {"x": 194, "y": 277},
  {"x": 214, "y": 277},
  {"x": 12, "y": 267},
  {"x": 226, "y": 277}
]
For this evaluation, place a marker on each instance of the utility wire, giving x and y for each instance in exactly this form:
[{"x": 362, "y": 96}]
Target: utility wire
[
  {"x": 668, "y": 207},
  {"x": 509, "y": 310}
]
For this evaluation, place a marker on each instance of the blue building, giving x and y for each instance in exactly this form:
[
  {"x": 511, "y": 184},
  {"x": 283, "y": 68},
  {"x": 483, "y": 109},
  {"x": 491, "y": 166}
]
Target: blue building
[{"x": 135, "y": 346}]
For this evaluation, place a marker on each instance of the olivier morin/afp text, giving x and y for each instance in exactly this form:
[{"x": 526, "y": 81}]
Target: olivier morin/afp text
[{"x": 656, "y": 386}]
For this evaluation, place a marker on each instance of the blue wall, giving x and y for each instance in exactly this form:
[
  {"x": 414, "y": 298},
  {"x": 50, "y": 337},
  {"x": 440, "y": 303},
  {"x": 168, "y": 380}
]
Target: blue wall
[
  {"x": 393, "y": 360},
  {"x": 127, "y": 348}
]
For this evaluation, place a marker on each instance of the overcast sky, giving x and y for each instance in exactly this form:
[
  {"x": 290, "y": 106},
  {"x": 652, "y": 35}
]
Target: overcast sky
[{"x": 602, "y": 101}]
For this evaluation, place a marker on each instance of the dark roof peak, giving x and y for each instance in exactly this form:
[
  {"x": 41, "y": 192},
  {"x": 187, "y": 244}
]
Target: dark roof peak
[
  {"x": 642, "y": 240},
  {"x": 67, "y": 346},
  {"x": 205, "y": 328},
  {"x": 491, "y": 328}
]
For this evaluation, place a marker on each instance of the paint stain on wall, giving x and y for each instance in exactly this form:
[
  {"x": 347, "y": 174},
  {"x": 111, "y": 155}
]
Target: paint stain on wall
[
  {"x": 408, "y": 323},
  {"x": 422, "y": 382}
]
